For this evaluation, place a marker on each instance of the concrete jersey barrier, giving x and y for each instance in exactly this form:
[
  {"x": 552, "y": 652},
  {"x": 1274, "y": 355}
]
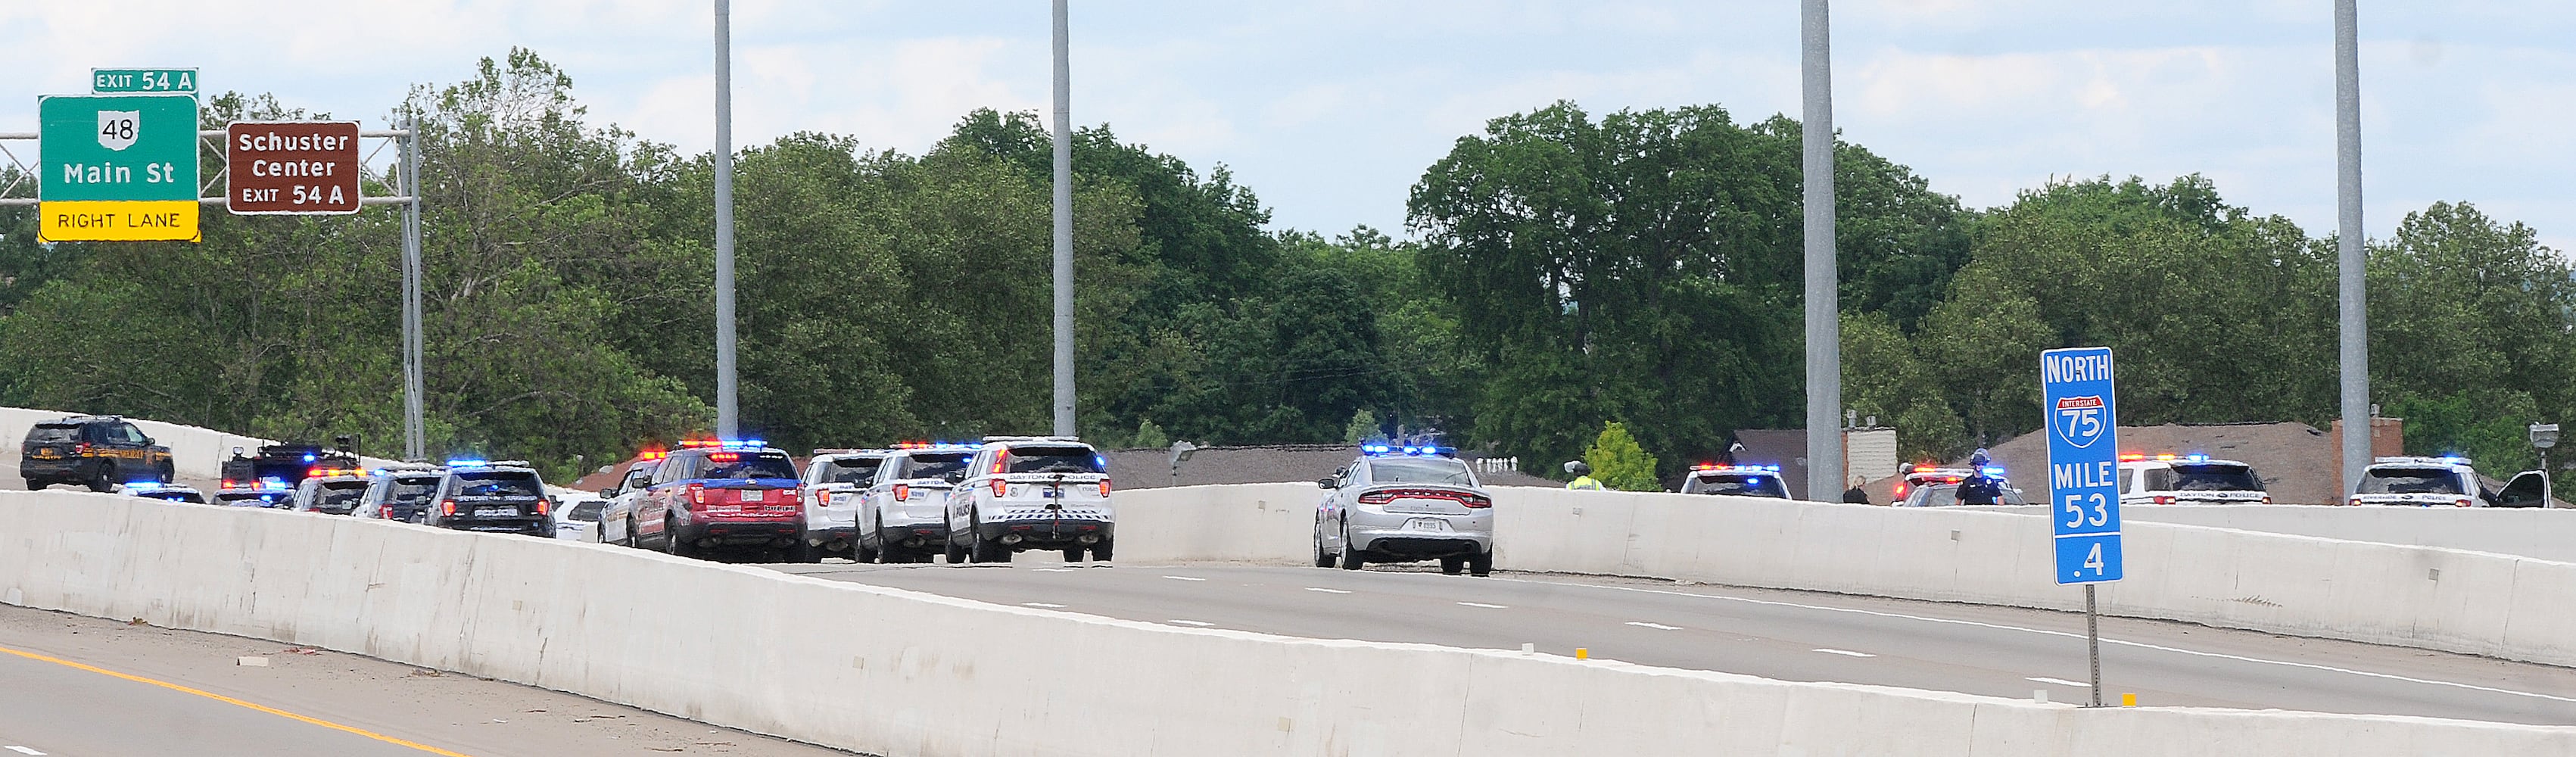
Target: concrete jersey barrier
[
  {"x": 906, "y": 674},
  {"x": 2547, "y": 534}
]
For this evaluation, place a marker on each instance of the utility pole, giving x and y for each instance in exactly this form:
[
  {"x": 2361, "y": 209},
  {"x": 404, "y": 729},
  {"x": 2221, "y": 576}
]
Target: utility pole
[
  {"x": 415, "y": 432},
  {"x": 1063, "y": 225},
  {"x": 2355, "y": 322},
  {"x": 728, "y": 414},
  {"x": 1824, "y": 325}
]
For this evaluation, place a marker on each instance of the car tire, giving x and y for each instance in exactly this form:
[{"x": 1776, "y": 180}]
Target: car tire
[
  {"x": 100, "y": 482},
  {"x": 1351, "y": 559},
  {"x": 956, "y": 554},
  {"x": 1073, "y": 554},
  {"x": 1100, "y": 552},
  {"x": 804, "y": 552},
  {"x": 169, "y": 474},
  {"x": 674, "y": 546},
  {"x": 991, "y": 551},
  {"x": 1323, "y": 559},
  {"x": 1453, "y": 565},
  {"x": 36, "y": 485},
  {"x": 1481, "y": 563}
]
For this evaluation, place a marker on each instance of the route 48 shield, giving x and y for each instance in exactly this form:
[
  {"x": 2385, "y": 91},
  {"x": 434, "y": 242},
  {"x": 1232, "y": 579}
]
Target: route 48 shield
[{"x": 116, "y": 128}]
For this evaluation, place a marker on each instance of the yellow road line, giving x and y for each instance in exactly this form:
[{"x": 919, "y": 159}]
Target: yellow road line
[{"x": 238, "y": 703}]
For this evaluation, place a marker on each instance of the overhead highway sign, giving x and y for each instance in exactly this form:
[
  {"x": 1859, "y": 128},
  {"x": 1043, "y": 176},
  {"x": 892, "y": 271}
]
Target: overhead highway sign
[
  {"x": 117, "y": 167},
  {"x": 291, "y": 167}
]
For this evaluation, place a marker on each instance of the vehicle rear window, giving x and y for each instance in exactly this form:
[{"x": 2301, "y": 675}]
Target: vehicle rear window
[
  {"x": 587, "y": 510},
  {"x": 52, "y": 434},
  {"x": 411, "y": 489},
  {"x": 1945, "y": 495},
  {"x": 2410, "y": 481},
  {"x": 932, "y": 464},
  {"x": 747, "y": 465},
  {"x": 339, "y": 496},
  {"x": 498, "y": 484},
  {"x": 2215, "y": 477},
  {"x": 1052, "y": 460},
  {"x": 1747, "y": 485},
  {"x": 1420, "y": 470},
  {"x": 851, "y": 470}
]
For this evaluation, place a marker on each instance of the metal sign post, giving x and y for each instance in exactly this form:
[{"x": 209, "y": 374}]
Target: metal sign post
[{"x": 2083, "y": 478}]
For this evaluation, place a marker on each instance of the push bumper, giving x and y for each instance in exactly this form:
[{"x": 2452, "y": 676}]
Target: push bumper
[
  {"x": 1421, "y": 544},
  {"x": 913, "y": 535},
  {"x": 1047, "y": 532},
  {"x": 742, "y": 532}
]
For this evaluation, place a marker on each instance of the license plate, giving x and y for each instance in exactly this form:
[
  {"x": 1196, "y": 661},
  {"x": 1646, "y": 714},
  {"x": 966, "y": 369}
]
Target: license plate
[
  {"x": 495, "y": 512},
  {"x": 1427, "y": 524},
  {"x": 46, "y": 454},
  {"x": 753, "y": 495},
  {"x": 1051, "y": 493}
]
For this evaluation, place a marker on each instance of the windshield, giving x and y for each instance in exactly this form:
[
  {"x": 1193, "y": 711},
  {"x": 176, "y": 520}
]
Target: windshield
[
  {"x": 1750, "y": 486},
  {"x": 498, "y": 484},
  {"x": 339, "y": 497},
  {"x": 412, "y": 489},
  {"x": 586, "y": 511},
  {"x": 851, "y": 470},
  {"x": 1051, "y": 460},
  {"x": 2215, "y": 477},
  {"x": 1420, "y": 470},
  {"x": 932, "y": 464},
  {"x": 748, "y": 465},
  {"x": 2410, "y": 481},
  {"x": 53, "y": 434},
  {"x": 1945, "y": 495}
]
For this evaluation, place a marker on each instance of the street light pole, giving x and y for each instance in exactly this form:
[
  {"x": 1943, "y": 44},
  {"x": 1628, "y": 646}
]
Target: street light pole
[
  {"x": 1064, "y": 425},
  {"x": 2355, "y": 321},
  {"x": 1824, "y": 327},
  {"x": 728, "y": 415}
]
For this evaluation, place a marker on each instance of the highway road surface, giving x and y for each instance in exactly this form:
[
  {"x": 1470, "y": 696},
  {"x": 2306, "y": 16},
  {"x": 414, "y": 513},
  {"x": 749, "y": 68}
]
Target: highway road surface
[
  {"x": 72, "y": 686},
  {"x": 1796, "y": 636}
]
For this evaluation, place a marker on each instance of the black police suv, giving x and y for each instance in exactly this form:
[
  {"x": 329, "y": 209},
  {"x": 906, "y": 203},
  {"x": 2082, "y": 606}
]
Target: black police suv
[{"x": 97, "y": 451}]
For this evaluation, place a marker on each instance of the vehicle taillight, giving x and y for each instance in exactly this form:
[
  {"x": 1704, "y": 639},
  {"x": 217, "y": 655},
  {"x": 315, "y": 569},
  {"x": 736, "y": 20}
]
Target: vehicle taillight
[
  {"x": 2354, "y": 501},
  {"x": 2164, "y": 500},
  {"x": 2267, "y": 500},
  {"x": 1474, "y": 501},
  {"x": 1104, "y": 487},
  {"x": 2463, "y": 502},
  {"x": 902, "y": 491},
  {"x": 447, "y": 507},
  {"x": 81, "y": 448},
  {"x": 697, "y": 496},
  {"x": 1377, "y": 498},
  {"x": 544, "y": 505},
  {"x": 386, "y": 512},
  {"x": 1001, "y": 488}
]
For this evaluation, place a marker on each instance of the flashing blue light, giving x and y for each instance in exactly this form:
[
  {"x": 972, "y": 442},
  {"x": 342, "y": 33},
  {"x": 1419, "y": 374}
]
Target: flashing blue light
[
  {"x": 1755, "y": 480},
  {"x": 1771, "y": 468},
  {"x": 143, "y": 486},
  {"x": 1994, "y": 470},
  {"x": 2198, "y": 458},
  {"x": 308, "y": 458},
  {"x": 2454, "y": 459},
  {"x": 467, "y": 463},
  {"x": 1373, "y": 448}
]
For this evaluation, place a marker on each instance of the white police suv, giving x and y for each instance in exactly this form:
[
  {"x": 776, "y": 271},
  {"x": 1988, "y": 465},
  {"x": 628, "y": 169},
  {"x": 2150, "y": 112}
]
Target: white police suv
[
  {"x": 1405, "y": 504},
  {"x": 1032, "y": 492},
  {"x": 903, "y": 514},
  {"x": 2448, "y": 481},
  {"x": 834, "y": 482},
  {"x": 2188, "y": 480},
  {"x": 1738, "y": 480}
]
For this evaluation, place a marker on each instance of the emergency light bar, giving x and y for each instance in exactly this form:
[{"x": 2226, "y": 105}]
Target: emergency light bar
[
  {"x": 724, "y": 443},
  {"x": 1388, "y": 449}
]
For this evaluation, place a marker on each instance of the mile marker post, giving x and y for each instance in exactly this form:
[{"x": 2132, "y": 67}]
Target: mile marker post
[{"x": 2083, "y": 479}]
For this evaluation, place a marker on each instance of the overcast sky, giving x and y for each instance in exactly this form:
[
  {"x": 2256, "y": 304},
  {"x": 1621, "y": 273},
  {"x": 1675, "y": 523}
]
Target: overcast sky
[{"x": 1330, "y": 109}]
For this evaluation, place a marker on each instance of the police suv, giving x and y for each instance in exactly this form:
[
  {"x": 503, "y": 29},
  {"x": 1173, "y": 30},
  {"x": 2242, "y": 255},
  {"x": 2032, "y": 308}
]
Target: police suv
[
  {"x": 1738, "y": 480},
  {"x": 903, "y": 514},
  {"x": 1031, "y": 492},
  {"x": 2448, "y": 481},
  {"x": 333, "y": 491},
  {"x": 1405, "y": 504},
  {"x": 1930, "y": 486},
  {"x": 399, "y": 493},
  {"x": 97, "y": 451},
  {"x": 2188, "y": 480},
  {"x": 721, "y": 494},
  {"x": 486, "y": 495},
  {"x": 834, "y": 482}
]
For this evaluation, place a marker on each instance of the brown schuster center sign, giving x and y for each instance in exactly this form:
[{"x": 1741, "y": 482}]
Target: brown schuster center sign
[{"x": 291, "y": 167}]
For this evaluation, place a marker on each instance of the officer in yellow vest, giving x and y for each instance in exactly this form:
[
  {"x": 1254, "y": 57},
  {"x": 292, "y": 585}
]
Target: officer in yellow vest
[{"x": 1582, "y": 476}]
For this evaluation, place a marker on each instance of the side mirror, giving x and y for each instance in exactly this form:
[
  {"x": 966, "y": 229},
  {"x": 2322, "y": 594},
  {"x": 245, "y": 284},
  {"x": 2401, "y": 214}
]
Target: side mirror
[
  {"x": 954, "y": 477},
  {"x": 1326, "y": 483},
  {"x": 608, "y": 492}
]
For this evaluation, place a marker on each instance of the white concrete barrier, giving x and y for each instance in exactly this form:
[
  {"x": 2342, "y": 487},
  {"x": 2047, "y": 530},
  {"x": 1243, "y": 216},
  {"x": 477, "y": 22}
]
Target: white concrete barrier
[
  {"x": 905, "y": 674},
  {"x": 2547, "y": 534}
]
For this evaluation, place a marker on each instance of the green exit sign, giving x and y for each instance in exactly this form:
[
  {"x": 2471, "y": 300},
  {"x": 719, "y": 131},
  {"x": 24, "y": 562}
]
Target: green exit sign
[{"x": 108, "y": 81}]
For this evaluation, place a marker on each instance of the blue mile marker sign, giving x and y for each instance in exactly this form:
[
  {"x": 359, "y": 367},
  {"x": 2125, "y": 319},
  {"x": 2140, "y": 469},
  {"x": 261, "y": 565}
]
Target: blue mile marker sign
[{"x": 2083, "y": 463}]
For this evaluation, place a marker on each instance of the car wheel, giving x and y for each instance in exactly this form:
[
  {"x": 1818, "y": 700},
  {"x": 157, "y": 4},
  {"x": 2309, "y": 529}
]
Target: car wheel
[
  {"x": 1453, "y": 565},
  {"x": 1481, "y": 563},
  {"x": 956, "y": 554},
  {"x": 100, "y": 483},
  {"x": 1100, "y": 552},
  {"x": 673, "y": 545},
  {"x": 804, "y": 552},
  {"x": 990, "y": 551},
  {"x": 1351, "y": 559},
  {"x": 1323, "y": 559},
  {"x": 34, "y": 485},
  {"x": 1073, "y": 554},
  {"x": 169, "y": 474}
]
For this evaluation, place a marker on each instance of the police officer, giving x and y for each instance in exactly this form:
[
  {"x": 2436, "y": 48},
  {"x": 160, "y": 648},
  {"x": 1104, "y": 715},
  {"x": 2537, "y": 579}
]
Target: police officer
[
  {"x": 1979, "y": 488},
  {"x": 1582, "y": 476}
]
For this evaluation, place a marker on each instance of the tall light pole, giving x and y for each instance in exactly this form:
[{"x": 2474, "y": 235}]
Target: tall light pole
[
  {"x": 1063, "y": 225},
  {"x": 1824, "y": 327},
  {"x": 2355, "y": 323},
  {"x": 728, "y": 415}
]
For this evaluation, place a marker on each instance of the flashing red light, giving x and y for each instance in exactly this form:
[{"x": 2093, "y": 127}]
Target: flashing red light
[
  {"x": 724, "y": 457},
  {"x": 2131, "y": 457},
  {"x": 1925, "y": 468},
  {"x": 1104, "y": 488}
]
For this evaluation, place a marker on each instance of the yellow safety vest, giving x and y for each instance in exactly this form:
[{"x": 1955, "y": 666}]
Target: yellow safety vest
[{"x": 1584, "y": 482}]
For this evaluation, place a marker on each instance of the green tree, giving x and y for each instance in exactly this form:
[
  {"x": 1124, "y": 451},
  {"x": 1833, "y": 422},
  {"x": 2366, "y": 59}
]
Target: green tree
[
  {"x": 1363, "y": 427},
  {"x": 1619, "y": 462}
]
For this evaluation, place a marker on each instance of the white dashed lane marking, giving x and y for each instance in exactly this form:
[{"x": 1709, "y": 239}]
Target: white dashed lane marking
[
  {"x": 1048, "y": 605},
  {"x": 1843, "y": 652},
  {"x": 2059, "y": 681},
  {"x": 1184, "y": 578},
  {"x": 1328, "y": 591},
  {"x": 1656, "y": 626},
  {"x": 1198, "y": 623},
  {"x": 22, "y": 750},
  {"x": 1486, "y": 606}
]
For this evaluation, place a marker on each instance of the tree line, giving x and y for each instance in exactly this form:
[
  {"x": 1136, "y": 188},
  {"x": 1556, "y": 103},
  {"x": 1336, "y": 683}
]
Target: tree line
[{"x": 1560, "y": 272}]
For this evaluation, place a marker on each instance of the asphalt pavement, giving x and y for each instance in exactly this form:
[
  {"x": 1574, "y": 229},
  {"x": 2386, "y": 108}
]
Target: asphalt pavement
[{"x": 1795, "y": 636}]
